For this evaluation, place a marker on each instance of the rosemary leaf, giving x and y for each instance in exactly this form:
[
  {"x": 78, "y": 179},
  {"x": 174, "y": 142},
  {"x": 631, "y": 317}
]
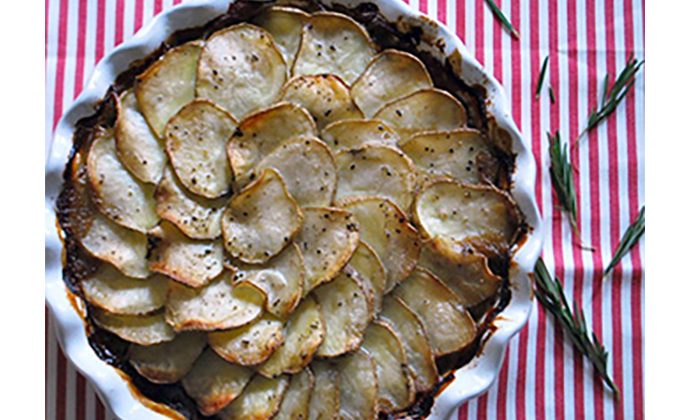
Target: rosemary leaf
[
  {"x": 552, "y": 97},
  {"x": 631, "y": 236},
  {"x": 542, "y": 75},
  {"x": 504, "y": 20}
]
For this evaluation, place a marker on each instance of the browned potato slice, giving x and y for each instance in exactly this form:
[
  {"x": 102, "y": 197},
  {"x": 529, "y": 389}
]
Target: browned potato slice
[
  {"x": 409, "y": 329},
  {"x": 327, "y": 240},
  {"x": 295, "y": 404},
  {"x": 250, "y": 344},
  {"x": 375, "y": 170},
  {"x": 325, "y": 96},
  {"x": 325, "y": 402},
  {"x": 358, "y": 386},
  {"x": 168, "y": 85},
  {"x": 424, "y": 110},
  {"x": 117, "y": 194},
  {"x": 138, "y": 147},
  {"x": 240, "y": 69},
  {"x": 169, "y": 362},
  {"x": 260, "y": 400},
  {"x": 370, "y": 271},
  {"x": 285, "y": 24},
  {"x": 304, "y": 335},
  {"x": 214, "y": 383},
  {"x": 449, "y": 326},
  {"x": 261, "y": 220},
  {"x": 333, "y": 43},
  {"x": 385, "y": 228},
  {"x": 195, "y": 139},
  {"x": 353, "y": 134},
  {"x": 144, "y": 330},
  {"x": 391, "y": 75}
]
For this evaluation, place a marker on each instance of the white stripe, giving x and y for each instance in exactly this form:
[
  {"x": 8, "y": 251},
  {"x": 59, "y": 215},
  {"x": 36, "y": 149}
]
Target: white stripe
[
  {"x": 51, "y": 69},
  {"x": 148, "y": 12},
  {"x": 511, "y": 395},
  {"x": 90, "y": 44},
  {"x": 451, "y": 16},
  {"x": 129, "y": 8},
  {"x": 432, "y": 8},
  {"x": 469, "y": 27},
  {"x": 52, "y": 371},
  {"x": 70, "y": 391},
  {"x": 110, "y": 22},
  {"x": 90, "y": 403},
  {"x": 70, "y": 54}
]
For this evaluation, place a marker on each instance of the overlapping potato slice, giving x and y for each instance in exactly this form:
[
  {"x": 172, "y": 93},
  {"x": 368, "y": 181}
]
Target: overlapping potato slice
[
  {"x": 214, "y": 383},
  {"x": 448, "y": 325},
  {"x": 424, "y": 110},
  {"x": 395, "y": 386},
  {"x": 386, "y": 229},
  {"x": 188, "y": 261},
  {"x": 304, "y": 334},
  {"x": 327, "y": 240},
  {"x": 333, "y": 43},
  {"x": 117, "y": 194},
  {"x": 325, "y": 96},
  {"x": 250, "y": 344},
  {"x": 325, "y": 402},
  {"x": 370, "y": 271},
  {"x": 168, "y": 362},
  {"x": 295, "y": 404},
  {"x": 261, "y": 220},
  {"x": 285, "y": 24},
  {"x": 240, "y": 69},
  {"x": 391, "y": 75},
  {"x": 144, "y": 330},
  {"x": 307, "y": 167},
  {"x": 375, "y": 170},
  {"x": 353, "y": 134},
  {"x": 168, "y": 85},
  {"x": 358, "y": 386},
  {"x": 409, "y": 329},
  {"x": 465, "y": 219},
  {"x": 195, "y": 139},
  {"x": 260, "y": 133},
  {"x": 138, "y": 147},
  {"x": 260, "y": 400}
]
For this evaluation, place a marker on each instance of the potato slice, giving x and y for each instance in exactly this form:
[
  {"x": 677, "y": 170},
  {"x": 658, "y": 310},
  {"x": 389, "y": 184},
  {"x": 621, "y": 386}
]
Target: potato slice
[
  {"x": 295, "y": 404},
  {"x": 260, "y": 133},
  {"x": 138, "y": 147},
  {"x": 304, "y": 334},
  {"x": 308, "y": 169},
  {"x": 358, "y": 386},
  {"x": 424, "y": 110},
  {"x": 261, "y": 220},
  {"x": 465, "y": 219},
  {"x": 214, "y": 383},
  {"x": 385, "y": 228},
  {"x": 325, "y": 96},
  {"x": 353, "y": 134},
  {"x": 188, "y": 261},
  {"x": 260, "y": 400},
  {"x": 144, "y": 330},
  {"x": 325, "y": 403},
  {"x": 375, "y": 170},
  {"x": 391, "y": 75},
  {"x": 250, "y": 344},
  {"x": 195, "y": 139},
  {"x": 410, "y": 330},
  {"x": 370, "y": 271},
  {"x": 285, "y": 24},
  {"x": 327, "y": 240},
  {"x": 117, "y": 194},
  {"x": 333, "y": 43},
  {"x": 169, "y": 362},
  {"x": 449, "y": 326},
  {"x": 395, "y": 386},
  {"x": 114, "y": 292}
]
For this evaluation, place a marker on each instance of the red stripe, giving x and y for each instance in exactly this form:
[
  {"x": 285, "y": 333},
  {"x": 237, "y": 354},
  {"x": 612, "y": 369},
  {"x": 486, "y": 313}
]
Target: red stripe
[
  {"x": 460, "y": 19},
  {"x": 482, "y": 406},
  {"x": 501, "y": 398},
  {"x": 498, "y": 48},
  {"x": 180, "y": 1},
  {"x": 157, "y": 6},
  {"x": 81, "y": 47},
  {"x": 100, "y": 30},
  {"x": 61, "y": 391},
  {"x": 423, "y": 6},
  {"x": 441, "y": 11},
  {"x": 479, "y": 30},
  {"x": 45, "y": 353},
  {"x": 100, "y": 409},
  {"x": 60, "y": 70},
  {"x": 138, "y": 14},
  {"x": 463, "y": 412},
  {"x": 81, "y": 397},
  {"x": 119, "y": 21}
]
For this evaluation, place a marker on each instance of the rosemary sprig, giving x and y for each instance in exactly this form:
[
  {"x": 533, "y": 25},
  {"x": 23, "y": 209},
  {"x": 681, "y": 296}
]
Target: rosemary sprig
[
  {"x": 550, "y": 294},
  {"x": 631, "y": 236},
  {"x": 542, "y": 75},
  {"x": 552, "y": 97},
  {"x": 504, "y": 20}
]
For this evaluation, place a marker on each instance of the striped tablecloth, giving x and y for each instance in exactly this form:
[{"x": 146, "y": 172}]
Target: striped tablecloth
[{"x": 542, "y": 377}]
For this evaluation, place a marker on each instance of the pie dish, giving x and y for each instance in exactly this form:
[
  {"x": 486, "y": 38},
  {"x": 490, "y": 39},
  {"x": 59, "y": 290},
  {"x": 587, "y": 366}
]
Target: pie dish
[{"x": 282, "y": 198}]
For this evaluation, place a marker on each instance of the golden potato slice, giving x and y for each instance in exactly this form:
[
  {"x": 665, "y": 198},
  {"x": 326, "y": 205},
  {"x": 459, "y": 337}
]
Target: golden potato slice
[
  {"x": 327, "y": 240},
  {"x": 410, "y": 330},
  {"x": 249, "y": 344},
  {"x": 353, "y": 134},
  {"x": 325, "y": 402},
  {"x": 375, "y": 170},
  {"x": 333, "y": 43},
  {"x": 261, "y": 220},
  {"x": 260, "y": 400},
  {"x": 295, "y": 404},
  {"x": 260, "y": 133},
  {"x": 424, "y": 110},
  {"x": 308, "y": 169},
  {"x": 391, "y": 75},
  {"x": 285, "y": 24},
  {"x": 214, "y": 383},
  {"x": 449, "y": 326},
  {"x": 325, "y": 96},
  {"x": 144, "y": 330},
  {"x": 114, "y": 292},
  {"x": 168, "y": 85},
  {"x": 395, "y": 386},
  {"x": 370, "y": 271},
  {"x": 358, "y": 386},
  {"x": 195, "y": 139},
  {"x": 169, "y": 362},
  {"x": 385, "y": 228},
  {"x": 189, "y": 261},
  {"x": 304, "y": 334},
  {"x": 138, "y": 147},
  {"x": 117, "y": 194},
  {"x": 465, "y": 219}
]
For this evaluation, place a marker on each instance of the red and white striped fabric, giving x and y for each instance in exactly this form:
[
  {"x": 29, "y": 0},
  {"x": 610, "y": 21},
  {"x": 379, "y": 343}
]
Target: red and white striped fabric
[{"x": 542, "y": 377}]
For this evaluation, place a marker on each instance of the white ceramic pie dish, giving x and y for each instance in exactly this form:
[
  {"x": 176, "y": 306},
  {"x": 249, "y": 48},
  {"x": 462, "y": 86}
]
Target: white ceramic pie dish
[{"x": 470, "y": 381}]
